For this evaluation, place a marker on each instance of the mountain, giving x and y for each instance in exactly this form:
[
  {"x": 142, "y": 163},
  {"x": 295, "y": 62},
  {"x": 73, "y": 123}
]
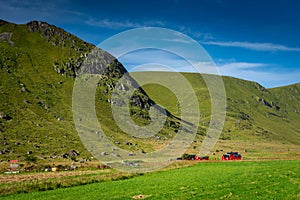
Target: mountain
[
  {"x": 254, "y": 113},
  {"x": 39, "y": 64}
]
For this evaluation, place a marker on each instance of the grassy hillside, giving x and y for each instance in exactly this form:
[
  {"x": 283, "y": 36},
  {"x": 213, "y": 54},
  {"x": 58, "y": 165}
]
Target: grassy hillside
[
  {"x": 39, "y": 63},
  {"x": 35, "y": 97},
  {"x": 254, "y": 113},
  {"x": 38, "y": 66}
]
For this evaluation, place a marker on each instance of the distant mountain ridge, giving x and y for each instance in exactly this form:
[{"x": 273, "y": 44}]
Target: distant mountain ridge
[{"x": 252, "y": 110}]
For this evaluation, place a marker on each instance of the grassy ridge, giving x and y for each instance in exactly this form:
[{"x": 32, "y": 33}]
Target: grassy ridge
[
  {"x": 253, "y": 112},
  {"x": 225, "y": 180}
]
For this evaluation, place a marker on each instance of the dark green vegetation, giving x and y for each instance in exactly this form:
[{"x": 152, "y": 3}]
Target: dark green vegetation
[
  {"x": 223, "y": 180},
  {"x": 38, "y": 66}
]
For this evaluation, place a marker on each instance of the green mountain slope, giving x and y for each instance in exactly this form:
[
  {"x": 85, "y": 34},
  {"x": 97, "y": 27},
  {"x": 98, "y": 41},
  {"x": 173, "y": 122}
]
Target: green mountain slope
[
  {"x": 39, "y": 63},
  {"x": 254, "y": 113},
  {"x": 33, "y": 94},
  {"x": 38, "y": 66}
]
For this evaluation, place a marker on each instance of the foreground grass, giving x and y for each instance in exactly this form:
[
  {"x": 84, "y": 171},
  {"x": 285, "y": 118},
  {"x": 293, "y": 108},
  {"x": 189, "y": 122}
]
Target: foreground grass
[
  {"x": 41, "y": 181},
  {"x": 220, "y": 180}
]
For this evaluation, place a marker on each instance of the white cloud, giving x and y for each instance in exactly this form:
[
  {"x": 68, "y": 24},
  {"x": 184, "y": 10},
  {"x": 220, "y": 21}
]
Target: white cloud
[
  {"x": 239, "y": 69},
  {"x": 159, "y": 60},
  {"x": 107, "y": 23},
  {"x": 242, "y": 65},
  {"x": 177, "y": 40},
  {"x": 113, "y": 24},
  {"x": 265, "y": 74},
  {"x": 153, "y": 57},
  {"x": 252, "y": 46}
]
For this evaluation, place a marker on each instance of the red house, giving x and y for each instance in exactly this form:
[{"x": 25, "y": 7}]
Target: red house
[{"x": 232, "y": 156}]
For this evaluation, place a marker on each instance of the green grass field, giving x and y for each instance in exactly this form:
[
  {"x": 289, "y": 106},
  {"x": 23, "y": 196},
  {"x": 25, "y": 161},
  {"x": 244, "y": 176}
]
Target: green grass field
[{"x": 216, "y": 180}]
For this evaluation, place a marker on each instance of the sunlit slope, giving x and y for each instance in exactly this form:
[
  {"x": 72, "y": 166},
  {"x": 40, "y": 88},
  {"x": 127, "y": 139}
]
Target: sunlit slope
[
  {"x": 253, "y": 112},
  {"x": 38, "y": 67}
]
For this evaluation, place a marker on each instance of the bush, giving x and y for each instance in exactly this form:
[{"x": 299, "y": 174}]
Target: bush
[{"x": 30, "y": 159}]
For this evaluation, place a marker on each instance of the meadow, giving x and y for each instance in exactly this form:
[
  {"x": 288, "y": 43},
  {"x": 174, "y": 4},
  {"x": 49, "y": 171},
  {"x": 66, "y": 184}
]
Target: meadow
[{"x": 205, "y": 180}]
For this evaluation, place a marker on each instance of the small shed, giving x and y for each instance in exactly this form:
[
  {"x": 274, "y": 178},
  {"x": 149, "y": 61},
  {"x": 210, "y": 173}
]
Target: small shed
[{"x": 14, "y": 166}]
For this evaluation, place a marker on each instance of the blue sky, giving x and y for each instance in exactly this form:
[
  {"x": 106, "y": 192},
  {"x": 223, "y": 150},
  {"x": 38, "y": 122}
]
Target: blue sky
[{"x": 254, "y": 40}]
